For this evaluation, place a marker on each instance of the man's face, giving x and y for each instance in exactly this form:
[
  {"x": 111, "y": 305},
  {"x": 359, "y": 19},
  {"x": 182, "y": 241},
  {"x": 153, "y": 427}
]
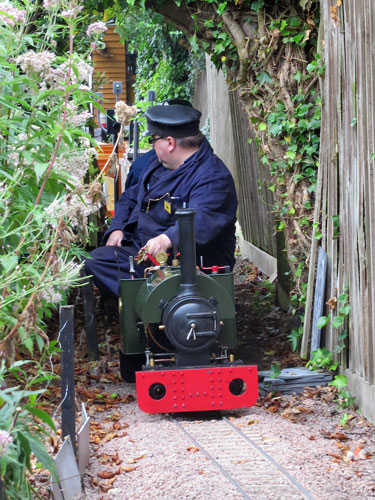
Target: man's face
[{"x": 163, "y": 147}]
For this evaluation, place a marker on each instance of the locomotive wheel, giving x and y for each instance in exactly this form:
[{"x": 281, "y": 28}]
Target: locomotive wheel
[{"x": 129, "y": 364}]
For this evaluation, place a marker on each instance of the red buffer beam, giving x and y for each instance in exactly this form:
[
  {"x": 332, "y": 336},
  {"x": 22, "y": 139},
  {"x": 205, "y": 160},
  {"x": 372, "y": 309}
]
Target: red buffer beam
[{"x": 197, "y": 389}]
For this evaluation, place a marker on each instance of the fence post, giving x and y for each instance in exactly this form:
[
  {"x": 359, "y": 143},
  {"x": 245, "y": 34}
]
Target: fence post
[
  {"x": 67, "y": 373},
  {"x": 2, "y": 492},
  {"x": 89, "y": 318}
]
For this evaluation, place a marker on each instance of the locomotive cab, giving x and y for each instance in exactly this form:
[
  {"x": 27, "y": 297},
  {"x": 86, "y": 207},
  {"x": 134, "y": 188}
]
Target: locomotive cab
[{"x": 177, "y": 330}]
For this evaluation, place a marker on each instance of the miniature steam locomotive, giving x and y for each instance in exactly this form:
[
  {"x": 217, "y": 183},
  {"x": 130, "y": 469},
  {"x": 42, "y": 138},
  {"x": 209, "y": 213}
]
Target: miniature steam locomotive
[{"x": 177, "y": 331}]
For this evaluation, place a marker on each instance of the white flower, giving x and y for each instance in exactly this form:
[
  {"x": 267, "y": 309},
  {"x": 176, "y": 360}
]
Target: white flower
[
  {"x": 5, "y": 439},
  {"x": 96, "y": 28},
  {"x": 84, "y": 70},
  {"x": 11, "y": 15},
  {"x": 76, "y": 209},
  {"x": 71, "y": 13},
  {"x": 51, "y": 4},
  {"x": 124, "y": 112},
  {"x": 36, "y": 63},
  {"x": 76, "y": 119},
  {"x": 50, "y": 295}
]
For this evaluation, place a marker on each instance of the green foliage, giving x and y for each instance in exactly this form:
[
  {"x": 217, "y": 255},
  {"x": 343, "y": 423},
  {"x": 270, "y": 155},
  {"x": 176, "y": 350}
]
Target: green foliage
[
  {"x": 18, "y": 410},
  {"x": 292, "y": 30},
  {"x": 344, "y": 398},
  {"x": 344, "y": 419},
  {"x": 45, "y": 152},
  {"x": 275, "y": 370},
  {"x": 164, "y": 64},
  {"x": 338, "y": 321},
  {"x": 44, "y": 155},
  {"x": 263, "y": 297},
  {"x": 321, "y": 359},
  {"x": 295, "y": 337}
]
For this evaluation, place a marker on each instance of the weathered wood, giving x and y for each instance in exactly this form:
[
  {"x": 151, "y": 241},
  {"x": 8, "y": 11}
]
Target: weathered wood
[
  {"x": 66, "y": 338},
  {"x": 254, "y": 197},
  {"x": 318, "y": 298},
  {"x": 347, "y": 187},
  {"x": 265, "y": 262},
  {"x": 2, "y": 491},
  {"x": 89, "y": 318}
]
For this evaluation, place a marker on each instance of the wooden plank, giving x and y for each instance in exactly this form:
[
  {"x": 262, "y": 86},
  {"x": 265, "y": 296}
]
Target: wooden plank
[
  {"x": 264, "y": 261},
  {"x": 350, "y": 186},
  {"x": 371, "y": 186},
  {"x": 320, "y": 189},
  {"x": 332, "y": 204},
  {"x": 364, "y": 394},
  {"x": 89, "y": 317},
  {"x": 368, "y": 166},
  {"x": 255, "y": 204},
  {"x": 66, "y": 339},
  {"x": 319, "y": 298},
  {"x": 361, "y": 139},
  {"x": 341, "y": 277}
]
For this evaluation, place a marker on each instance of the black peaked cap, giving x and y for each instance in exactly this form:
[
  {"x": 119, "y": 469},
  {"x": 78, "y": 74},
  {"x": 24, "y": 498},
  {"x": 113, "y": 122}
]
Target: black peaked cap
[{"x": 174, "y": 120}]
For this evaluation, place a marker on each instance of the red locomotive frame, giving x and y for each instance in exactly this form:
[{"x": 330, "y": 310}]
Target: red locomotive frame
[{"x": 197, "y": 389}]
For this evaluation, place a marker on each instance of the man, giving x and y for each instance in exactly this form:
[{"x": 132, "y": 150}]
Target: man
[
  {"x": 135, "y": 171},
  {"x": 185, "y": 170}
]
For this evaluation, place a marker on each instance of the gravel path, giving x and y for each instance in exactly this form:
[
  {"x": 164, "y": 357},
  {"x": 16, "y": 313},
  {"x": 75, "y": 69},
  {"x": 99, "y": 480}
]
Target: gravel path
[
  {"x": 136, "y": 456},
  {"x": 152, "y": 458}
]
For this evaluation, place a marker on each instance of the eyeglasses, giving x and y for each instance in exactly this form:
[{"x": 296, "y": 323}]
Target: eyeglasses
[{"x": 152, "y": 140}]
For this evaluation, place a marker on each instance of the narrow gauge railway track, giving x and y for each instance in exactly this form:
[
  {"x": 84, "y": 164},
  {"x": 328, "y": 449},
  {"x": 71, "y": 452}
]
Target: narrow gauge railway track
[{"x": 240, "y": 458}]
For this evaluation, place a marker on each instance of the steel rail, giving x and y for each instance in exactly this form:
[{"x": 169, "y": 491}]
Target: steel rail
[
  {"x": 270, "y": 459},
  {"x": 293, "y": 482},
  {"x": 222, "y": 470}
]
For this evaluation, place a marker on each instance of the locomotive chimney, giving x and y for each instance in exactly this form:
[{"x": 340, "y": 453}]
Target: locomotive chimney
[{"x": 185, "y": 218}]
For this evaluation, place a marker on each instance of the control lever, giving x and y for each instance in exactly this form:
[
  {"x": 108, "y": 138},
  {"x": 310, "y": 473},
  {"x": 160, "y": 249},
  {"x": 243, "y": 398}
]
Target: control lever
[{"x": 131, "y": 267}]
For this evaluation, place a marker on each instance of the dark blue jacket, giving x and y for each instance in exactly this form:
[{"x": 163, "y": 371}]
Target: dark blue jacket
[
  {"x": 138, "y": 165},
  {"x": 204, "y": 183}
]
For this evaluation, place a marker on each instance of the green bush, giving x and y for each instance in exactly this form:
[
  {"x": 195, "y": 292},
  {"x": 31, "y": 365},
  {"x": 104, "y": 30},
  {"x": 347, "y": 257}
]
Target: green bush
[{"x": 45, "y": 153}]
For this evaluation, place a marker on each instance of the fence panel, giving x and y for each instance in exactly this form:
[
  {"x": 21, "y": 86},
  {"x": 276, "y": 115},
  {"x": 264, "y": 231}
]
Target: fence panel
[{"x": 347, "y": 189}]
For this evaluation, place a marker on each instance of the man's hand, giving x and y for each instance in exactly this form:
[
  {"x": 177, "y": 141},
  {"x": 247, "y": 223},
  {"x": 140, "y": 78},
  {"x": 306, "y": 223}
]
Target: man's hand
[
  {"x": 160, "y": 243},
  {"x": 115, "y": 238}
]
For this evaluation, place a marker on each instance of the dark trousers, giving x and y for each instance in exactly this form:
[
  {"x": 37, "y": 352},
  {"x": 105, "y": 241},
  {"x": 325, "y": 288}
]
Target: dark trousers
[{"x": 109, "y": 264}]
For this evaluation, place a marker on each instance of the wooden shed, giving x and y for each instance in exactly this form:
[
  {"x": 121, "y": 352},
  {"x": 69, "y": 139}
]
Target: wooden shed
[{"x": 113, "y": 64}]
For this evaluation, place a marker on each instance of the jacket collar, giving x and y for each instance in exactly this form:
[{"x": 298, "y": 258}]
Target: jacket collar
[{"x": 204, "y": 149}]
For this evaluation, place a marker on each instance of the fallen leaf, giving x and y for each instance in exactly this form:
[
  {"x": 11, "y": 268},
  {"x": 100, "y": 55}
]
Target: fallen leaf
[
  {"x": 332, "y": 302},
  {"x": 108, "y": 437},
  {"x": 128, "y": 469},
  {"x": 135, "y": 460},
  {"x": 273, "y": 409},
  {"x": 339, "y": 436},
  {"x": 339, "y": 445},
  {"x": 194, "y": 449},
  {"x": 106, "y": 474}
]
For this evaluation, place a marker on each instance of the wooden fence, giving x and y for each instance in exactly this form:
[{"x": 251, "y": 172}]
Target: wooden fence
[
  {"x": 346, "y": 187},
  {"x": 229, "y": 134},
  {"x": 254, "y": 197}
]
